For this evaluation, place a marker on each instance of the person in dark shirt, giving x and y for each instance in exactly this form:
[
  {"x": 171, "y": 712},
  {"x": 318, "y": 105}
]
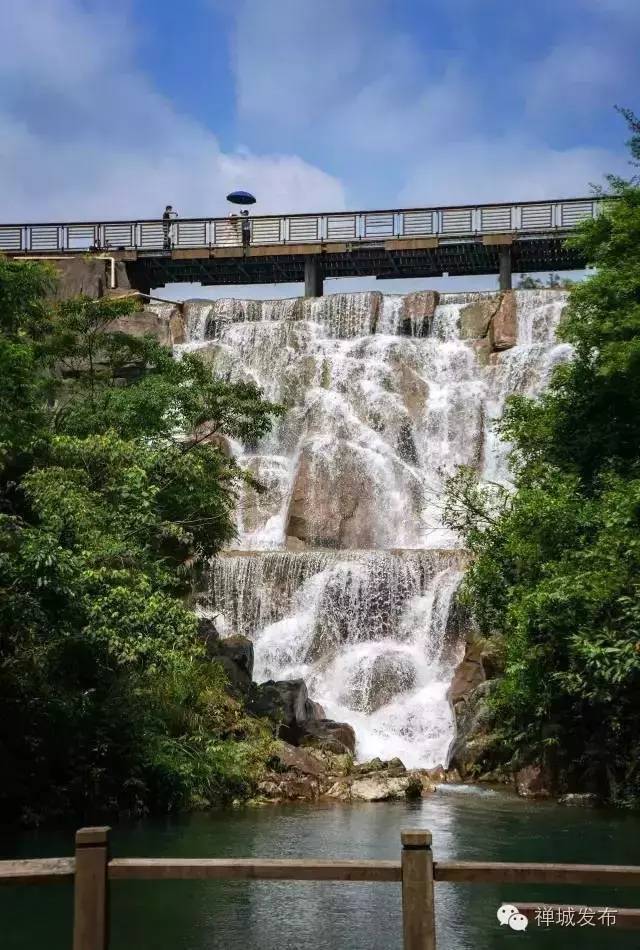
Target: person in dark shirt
[
  {"x": 169, "y": 213},
  {"x": 246, "y": 228}
]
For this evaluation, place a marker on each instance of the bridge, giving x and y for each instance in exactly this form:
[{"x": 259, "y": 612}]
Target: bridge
[{"x": 524, "y": 237}]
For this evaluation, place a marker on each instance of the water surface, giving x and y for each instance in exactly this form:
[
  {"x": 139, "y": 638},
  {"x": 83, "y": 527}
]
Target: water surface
[{"x": 197, "y": 915}]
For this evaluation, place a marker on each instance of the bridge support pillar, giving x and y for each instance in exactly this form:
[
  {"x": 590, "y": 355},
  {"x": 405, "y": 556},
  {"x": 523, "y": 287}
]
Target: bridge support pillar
[
  {"x": 505, "y": 266},
  {"x": 313, "y": 280}
]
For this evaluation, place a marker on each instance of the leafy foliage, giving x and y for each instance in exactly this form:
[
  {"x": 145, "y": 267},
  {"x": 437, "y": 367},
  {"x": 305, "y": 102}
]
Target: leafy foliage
[
  {"x": 106, "y": 698},
  {"x": 556, "y": 572}
]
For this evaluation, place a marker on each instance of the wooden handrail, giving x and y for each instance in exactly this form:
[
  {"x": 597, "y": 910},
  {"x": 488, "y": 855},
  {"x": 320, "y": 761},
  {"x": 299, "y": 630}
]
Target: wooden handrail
[
  {"x": 479, "y": 872},
  {"x": 92, "y": 871},
  {"x": 154, "y": 869},
  {"x": 40, "y": 871}
]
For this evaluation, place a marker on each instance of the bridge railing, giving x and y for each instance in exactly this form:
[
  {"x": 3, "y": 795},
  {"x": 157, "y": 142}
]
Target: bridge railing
[
  {"x": 92, "y": 870},
  {"x": 358, "y": 227}
]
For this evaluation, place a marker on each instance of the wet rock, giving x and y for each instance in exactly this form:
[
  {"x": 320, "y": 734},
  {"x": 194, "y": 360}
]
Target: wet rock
[
  {"x": 580, "y": 800},
  {"x": 374, "y": 765},
  {"x": 379, "y": 788},
  {"x": 337, "y": 737},
  {"x": 234, "y": 654},
  {"x": 436, "y": 776},
  {"x": 414, "y": 788},
  {"x": 293, "y": 758},
  {"x": 417, "y": 313},
  {"x": 504, "y": 326},
  {"x": 476, "y": 316},
  {"x": 287, "y": 703},
  {"x": 468, "y": 674},
  {"x": 340, "y": 790},
  {"x": 389, "y": 676},
  {"x": 533, "y": 782},
  {"x": 292, "y": 786},
  {"x": 473, "y": 742}
]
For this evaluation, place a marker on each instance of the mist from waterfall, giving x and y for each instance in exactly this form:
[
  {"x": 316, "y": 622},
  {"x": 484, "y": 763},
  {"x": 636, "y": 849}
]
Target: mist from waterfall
[{"x": 343, "y": 572}]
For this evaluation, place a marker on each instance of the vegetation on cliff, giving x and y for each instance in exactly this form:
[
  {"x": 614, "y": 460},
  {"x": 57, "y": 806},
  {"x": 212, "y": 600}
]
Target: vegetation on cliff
[
  {"x": 106, "y": 698},
  {"x": 556, "y": 572}
]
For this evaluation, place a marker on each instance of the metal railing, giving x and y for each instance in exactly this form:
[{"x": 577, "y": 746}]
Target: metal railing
[
  {"x": 92, "y": 870},
  {"x": 352, "y": 227}
]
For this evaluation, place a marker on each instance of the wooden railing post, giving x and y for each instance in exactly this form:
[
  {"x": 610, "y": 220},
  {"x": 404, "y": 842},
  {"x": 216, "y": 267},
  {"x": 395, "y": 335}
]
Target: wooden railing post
[
  {"x": 418, "y": 918},
  {"x": 91, "y": 911}
]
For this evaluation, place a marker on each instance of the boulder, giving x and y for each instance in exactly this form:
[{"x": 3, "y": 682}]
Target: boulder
[
  {"x": 340, "y": 790},
  {"x": 286, "y": 702},
  {"x": 468, "y": 674},
  {"x": 337, "y": 737},
  {"x": 389, "y": 675},
  {"x": 471, "y": 749},
  {"x": 504, "y": 326},
  {"x": 581, "y": 800},
  {"x": 374, "y": 765},
  {"x": 292, "y": 786},
  {"x": 333, "y": 501},
  {"x": 418, "y": 309},
  {"x": 533, "y": 782},
  {"x": 475, "y": 317},
  {"x": 292, "y": 758},
  {"x": 144, "y": 323},
  {"x": 380, "y": 788},
  {"x": 234, "y": 654}
]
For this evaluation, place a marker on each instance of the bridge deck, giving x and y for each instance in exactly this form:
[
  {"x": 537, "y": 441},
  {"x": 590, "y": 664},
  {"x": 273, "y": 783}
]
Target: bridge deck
[{"x": 417, "y": 242}]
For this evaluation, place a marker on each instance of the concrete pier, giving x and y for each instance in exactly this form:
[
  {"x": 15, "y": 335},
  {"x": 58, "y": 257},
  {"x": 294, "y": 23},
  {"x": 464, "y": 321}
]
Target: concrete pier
[
  {"x": 313, "y": 279},
  {"x": 505, "y": 267}
]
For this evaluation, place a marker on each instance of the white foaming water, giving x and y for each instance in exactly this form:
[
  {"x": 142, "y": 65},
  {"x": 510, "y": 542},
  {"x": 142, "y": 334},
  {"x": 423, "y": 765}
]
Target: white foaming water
[
  {"x": 371, "y": 634},
  {"x": 381, "y": 406}
]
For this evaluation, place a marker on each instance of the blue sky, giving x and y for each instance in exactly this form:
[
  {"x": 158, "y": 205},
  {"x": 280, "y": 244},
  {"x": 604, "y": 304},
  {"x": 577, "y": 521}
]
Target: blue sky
[{"x": 113, "y": 109}]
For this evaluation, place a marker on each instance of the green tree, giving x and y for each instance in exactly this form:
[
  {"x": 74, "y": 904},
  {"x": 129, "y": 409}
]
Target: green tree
[
  {"x": 113, "y": 489},
  {"x": 556, "y": 569}
]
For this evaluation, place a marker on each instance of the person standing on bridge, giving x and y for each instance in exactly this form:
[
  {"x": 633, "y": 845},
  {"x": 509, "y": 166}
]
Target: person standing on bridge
[
  {"x": 169, "y": 213},
  {"x": 246, "y": 228}
]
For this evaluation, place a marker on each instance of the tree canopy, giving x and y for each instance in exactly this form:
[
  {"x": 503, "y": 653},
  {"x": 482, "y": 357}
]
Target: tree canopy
[
  {"x": 556, "y": 572},
  {"x": 113, "y": 489}
]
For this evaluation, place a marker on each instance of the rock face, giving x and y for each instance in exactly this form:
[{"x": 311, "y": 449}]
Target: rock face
[
  {"x": 336, "y": 737},
  {"x": 234, "y": 654},
  {"x": 81, "y": 275},
  {"x": 533, "y": 782},
  {"x": 418, "y": 310},
  {"x": 472, "y": 744},
  {"x": 476, "y": 317},
  {"x": 309, "y": 774},
  {"x": 468, "y": 674},
  {"x": 330, "y": 506},
  {"x": 504, "y": 326},
  {"x": 379, "y": 788}
]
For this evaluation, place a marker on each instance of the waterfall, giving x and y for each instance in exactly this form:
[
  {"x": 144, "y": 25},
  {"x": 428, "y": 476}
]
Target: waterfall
[{"x": 343, "y": 572}]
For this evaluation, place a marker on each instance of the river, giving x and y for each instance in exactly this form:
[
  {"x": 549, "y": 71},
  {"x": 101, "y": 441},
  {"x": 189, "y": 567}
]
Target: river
[{"x": 470, "y": 824}]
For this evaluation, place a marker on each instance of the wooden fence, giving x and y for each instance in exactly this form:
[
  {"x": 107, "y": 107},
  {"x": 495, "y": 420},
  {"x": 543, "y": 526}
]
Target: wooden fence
[{"x": 92, "y": 869}]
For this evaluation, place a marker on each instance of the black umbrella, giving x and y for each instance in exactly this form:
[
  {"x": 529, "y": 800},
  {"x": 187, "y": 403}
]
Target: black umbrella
[{"x": 241, "y": 198}]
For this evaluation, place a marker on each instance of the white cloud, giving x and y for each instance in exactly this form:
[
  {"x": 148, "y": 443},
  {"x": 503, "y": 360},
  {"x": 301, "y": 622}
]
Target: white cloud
[
  {"x": 506, "y": 169},
  {"x": 83, "y": 133},
  {"x": 585, "y": 77},
  {"x": 405, "y": 125}
]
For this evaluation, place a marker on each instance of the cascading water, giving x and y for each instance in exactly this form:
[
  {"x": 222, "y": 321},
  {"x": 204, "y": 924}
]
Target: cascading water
[{"x": 344, "y": 573}]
